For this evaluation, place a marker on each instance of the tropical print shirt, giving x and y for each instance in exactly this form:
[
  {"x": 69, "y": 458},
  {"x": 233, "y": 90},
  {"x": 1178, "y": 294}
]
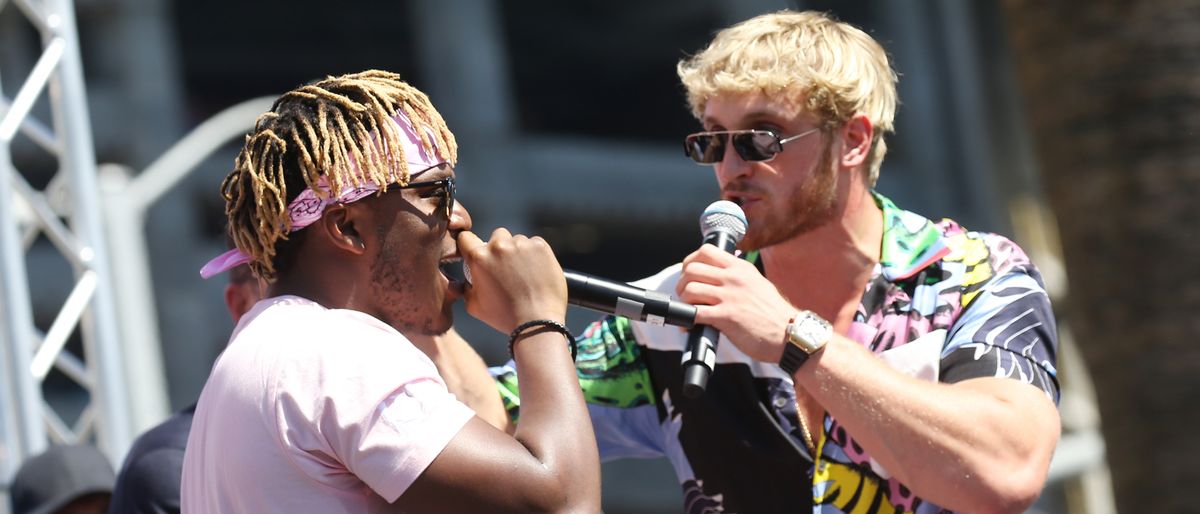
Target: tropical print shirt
[{"x": 944, "y": 304}]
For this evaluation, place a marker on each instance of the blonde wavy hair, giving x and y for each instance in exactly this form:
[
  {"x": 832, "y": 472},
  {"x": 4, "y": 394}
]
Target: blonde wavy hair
[
  {"x": 339, "y": 128},
  {"x": 821, "y": 65}
]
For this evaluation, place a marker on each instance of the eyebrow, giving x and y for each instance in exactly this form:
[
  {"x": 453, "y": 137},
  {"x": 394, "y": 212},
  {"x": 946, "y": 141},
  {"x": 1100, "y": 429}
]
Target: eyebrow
[{"x": 751, "y": 117}]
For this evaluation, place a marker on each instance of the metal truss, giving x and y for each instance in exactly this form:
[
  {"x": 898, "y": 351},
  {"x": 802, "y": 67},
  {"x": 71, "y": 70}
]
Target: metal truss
[{"x": 68, "y": 214}]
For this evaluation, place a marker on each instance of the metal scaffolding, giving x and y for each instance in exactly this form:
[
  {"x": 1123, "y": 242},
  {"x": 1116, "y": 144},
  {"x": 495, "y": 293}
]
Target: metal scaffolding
[{"x": 73, "y": 224}]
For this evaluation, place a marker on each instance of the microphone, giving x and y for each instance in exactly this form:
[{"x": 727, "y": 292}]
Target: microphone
[
  {"x": 611, "y": 297},
  {"x": 723, "y": 224},
  {"x": 622, "y": 299}
]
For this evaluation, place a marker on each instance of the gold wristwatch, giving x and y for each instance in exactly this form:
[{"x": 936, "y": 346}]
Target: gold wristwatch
[{"x": 806, "y": 334}]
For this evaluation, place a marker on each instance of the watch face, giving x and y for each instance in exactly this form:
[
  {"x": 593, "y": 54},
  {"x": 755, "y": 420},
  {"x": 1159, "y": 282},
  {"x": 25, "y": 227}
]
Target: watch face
[{"x": 809, "y": 331}]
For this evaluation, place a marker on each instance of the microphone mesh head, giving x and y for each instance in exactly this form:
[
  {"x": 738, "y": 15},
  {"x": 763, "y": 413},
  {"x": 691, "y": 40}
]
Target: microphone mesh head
[{"x": 725, "y": 216}]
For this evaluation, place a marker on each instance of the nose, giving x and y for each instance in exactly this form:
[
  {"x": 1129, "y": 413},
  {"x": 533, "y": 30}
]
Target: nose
[
  {"x": 460, "y": 218},
  {"x": 731, "y": 166}
]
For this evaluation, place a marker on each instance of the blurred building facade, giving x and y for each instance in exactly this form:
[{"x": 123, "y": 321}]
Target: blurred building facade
[{"x": 568, "y": 114}]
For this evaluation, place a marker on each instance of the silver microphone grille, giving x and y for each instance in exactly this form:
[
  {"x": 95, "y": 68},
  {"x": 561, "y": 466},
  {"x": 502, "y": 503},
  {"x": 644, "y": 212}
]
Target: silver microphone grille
[{"x": 726, "y": 216}]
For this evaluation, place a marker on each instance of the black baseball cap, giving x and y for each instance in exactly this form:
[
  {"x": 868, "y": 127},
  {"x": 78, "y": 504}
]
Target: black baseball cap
[{"x": 58, "y": 476}]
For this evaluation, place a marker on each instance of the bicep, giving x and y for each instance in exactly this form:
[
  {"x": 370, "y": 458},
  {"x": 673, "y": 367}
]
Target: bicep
[
  {"x": 1030, "y": 419},
  {"x": 483, "y": 469}
]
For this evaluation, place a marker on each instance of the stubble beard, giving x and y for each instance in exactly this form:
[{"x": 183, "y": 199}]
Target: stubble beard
[
  {"x": 398, "y": 292},
  {"x": 810, "y": 205}
]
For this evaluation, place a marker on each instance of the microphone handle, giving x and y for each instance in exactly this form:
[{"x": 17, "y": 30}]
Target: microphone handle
[
  {"x": 701, "y": 355},
  {"x": 621, "y": 299},
  {"x": 723, "y": 240},
  {"x": 699, "y": 360}
]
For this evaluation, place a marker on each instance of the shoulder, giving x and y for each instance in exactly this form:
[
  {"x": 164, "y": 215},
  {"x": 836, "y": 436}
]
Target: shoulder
[
  {"x": 294, "y": 316},
  {"x": 153, "y": 465},
  {"x": 974, "y": 247},
  {"x": 305, "y": 330},
  {"x": 171, "y": 433},
  {"x": 294, "y": 347},
  {"x": 152, "y": 470},
  {"x": 985, "y": 256},
  {"x": 306, "y": 356}
]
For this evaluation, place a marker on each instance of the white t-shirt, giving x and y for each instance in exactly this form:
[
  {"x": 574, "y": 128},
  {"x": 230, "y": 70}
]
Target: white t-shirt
[{"x": 315, "y": 410}]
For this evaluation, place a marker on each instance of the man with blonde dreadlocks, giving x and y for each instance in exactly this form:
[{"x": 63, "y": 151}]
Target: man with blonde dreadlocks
[{"x": 343, "y": 198}]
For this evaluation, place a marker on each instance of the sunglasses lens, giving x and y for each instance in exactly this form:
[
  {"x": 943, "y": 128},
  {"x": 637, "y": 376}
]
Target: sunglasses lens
[
  {"x": 755, "y": 145},
  {"x": 750, "y": 145},
  {"x": 705, "y": 148}
]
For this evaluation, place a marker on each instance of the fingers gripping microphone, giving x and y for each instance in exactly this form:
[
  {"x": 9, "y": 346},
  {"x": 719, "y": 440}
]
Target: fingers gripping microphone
[{"x": 723, "y": 224}]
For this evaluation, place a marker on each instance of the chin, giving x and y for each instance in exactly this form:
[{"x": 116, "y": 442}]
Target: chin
[
  {"x": 444, "y": 320},
  {"x": 757, "y": 240},
  {"x": 446, "y": 323}
]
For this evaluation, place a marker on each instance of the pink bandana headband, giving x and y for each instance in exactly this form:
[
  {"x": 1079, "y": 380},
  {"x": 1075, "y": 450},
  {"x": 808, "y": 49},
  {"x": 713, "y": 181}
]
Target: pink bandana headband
[{"x": 308, "y": 207}]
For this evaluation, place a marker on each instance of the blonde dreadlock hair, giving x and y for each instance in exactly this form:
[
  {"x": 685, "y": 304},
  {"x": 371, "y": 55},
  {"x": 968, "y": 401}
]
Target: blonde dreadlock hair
[{"x": 340, "y": 128}]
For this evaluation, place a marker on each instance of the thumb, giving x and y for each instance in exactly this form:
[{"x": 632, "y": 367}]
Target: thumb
[{"x": 469, "y": 243}]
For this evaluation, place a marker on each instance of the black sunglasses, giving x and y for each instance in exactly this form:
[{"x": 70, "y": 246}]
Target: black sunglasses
[
  {"x": 750, "y": 145},
  {"x": 443, "y": 188}
]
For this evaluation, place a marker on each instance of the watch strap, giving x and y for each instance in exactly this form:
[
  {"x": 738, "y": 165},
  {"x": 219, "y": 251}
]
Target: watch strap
[{"x": 793, "y": 357}]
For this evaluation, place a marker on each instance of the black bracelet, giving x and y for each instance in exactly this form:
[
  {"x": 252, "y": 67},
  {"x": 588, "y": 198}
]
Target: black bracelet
[{"x": 550, "y": 324}]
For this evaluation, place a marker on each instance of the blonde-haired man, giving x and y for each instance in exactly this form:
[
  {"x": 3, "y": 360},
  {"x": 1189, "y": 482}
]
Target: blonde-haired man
[{"x": 872, "y": 360}]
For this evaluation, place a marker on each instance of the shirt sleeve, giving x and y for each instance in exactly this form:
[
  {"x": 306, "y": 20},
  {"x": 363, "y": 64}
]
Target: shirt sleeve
[
  {"x": 406, "y": 433},
  {"x": 375, "y": 408},
  {"x": 1008, "y": 331}
]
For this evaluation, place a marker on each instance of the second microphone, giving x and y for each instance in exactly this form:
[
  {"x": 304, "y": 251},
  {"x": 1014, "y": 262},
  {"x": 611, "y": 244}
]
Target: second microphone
[{"x": 622, "y": 299}]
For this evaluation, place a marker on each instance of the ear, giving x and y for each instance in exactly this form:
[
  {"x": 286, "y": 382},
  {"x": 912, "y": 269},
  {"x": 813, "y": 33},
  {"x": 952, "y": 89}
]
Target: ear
[
  {"x": 857, "y": 134},
  {"x": 234, "y": 302},
  {"x": 341, "y": 225},
  {"x": 239, "y": 298}
]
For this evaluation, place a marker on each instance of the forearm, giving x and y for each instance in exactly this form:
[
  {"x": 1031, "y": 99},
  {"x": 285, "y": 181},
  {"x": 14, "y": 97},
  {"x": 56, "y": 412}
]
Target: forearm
[
  {"x": 980, "y": 445},
  {"x": 555, "y": 425}
]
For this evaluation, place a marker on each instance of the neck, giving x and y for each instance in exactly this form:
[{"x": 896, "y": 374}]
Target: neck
[
  {"x": 826, "y": 269},
  {"x": 322, "y": 284}
]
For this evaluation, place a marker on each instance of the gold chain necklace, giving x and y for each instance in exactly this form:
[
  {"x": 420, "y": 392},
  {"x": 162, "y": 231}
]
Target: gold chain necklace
[{"x": 808, "y": 438}]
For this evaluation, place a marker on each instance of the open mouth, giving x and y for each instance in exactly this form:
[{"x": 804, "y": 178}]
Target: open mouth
[{"x": 452, "y": 268}]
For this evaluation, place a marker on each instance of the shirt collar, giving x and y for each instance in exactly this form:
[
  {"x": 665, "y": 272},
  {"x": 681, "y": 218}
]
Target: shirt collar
[
  {"x": 910, "y": 244},
  {"x": 910, "y": 241}
]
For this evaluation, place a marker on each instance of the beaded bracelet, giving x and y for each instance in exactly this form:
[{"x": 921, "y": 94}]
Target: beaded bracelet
[{"x": 549, "y": 324}]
